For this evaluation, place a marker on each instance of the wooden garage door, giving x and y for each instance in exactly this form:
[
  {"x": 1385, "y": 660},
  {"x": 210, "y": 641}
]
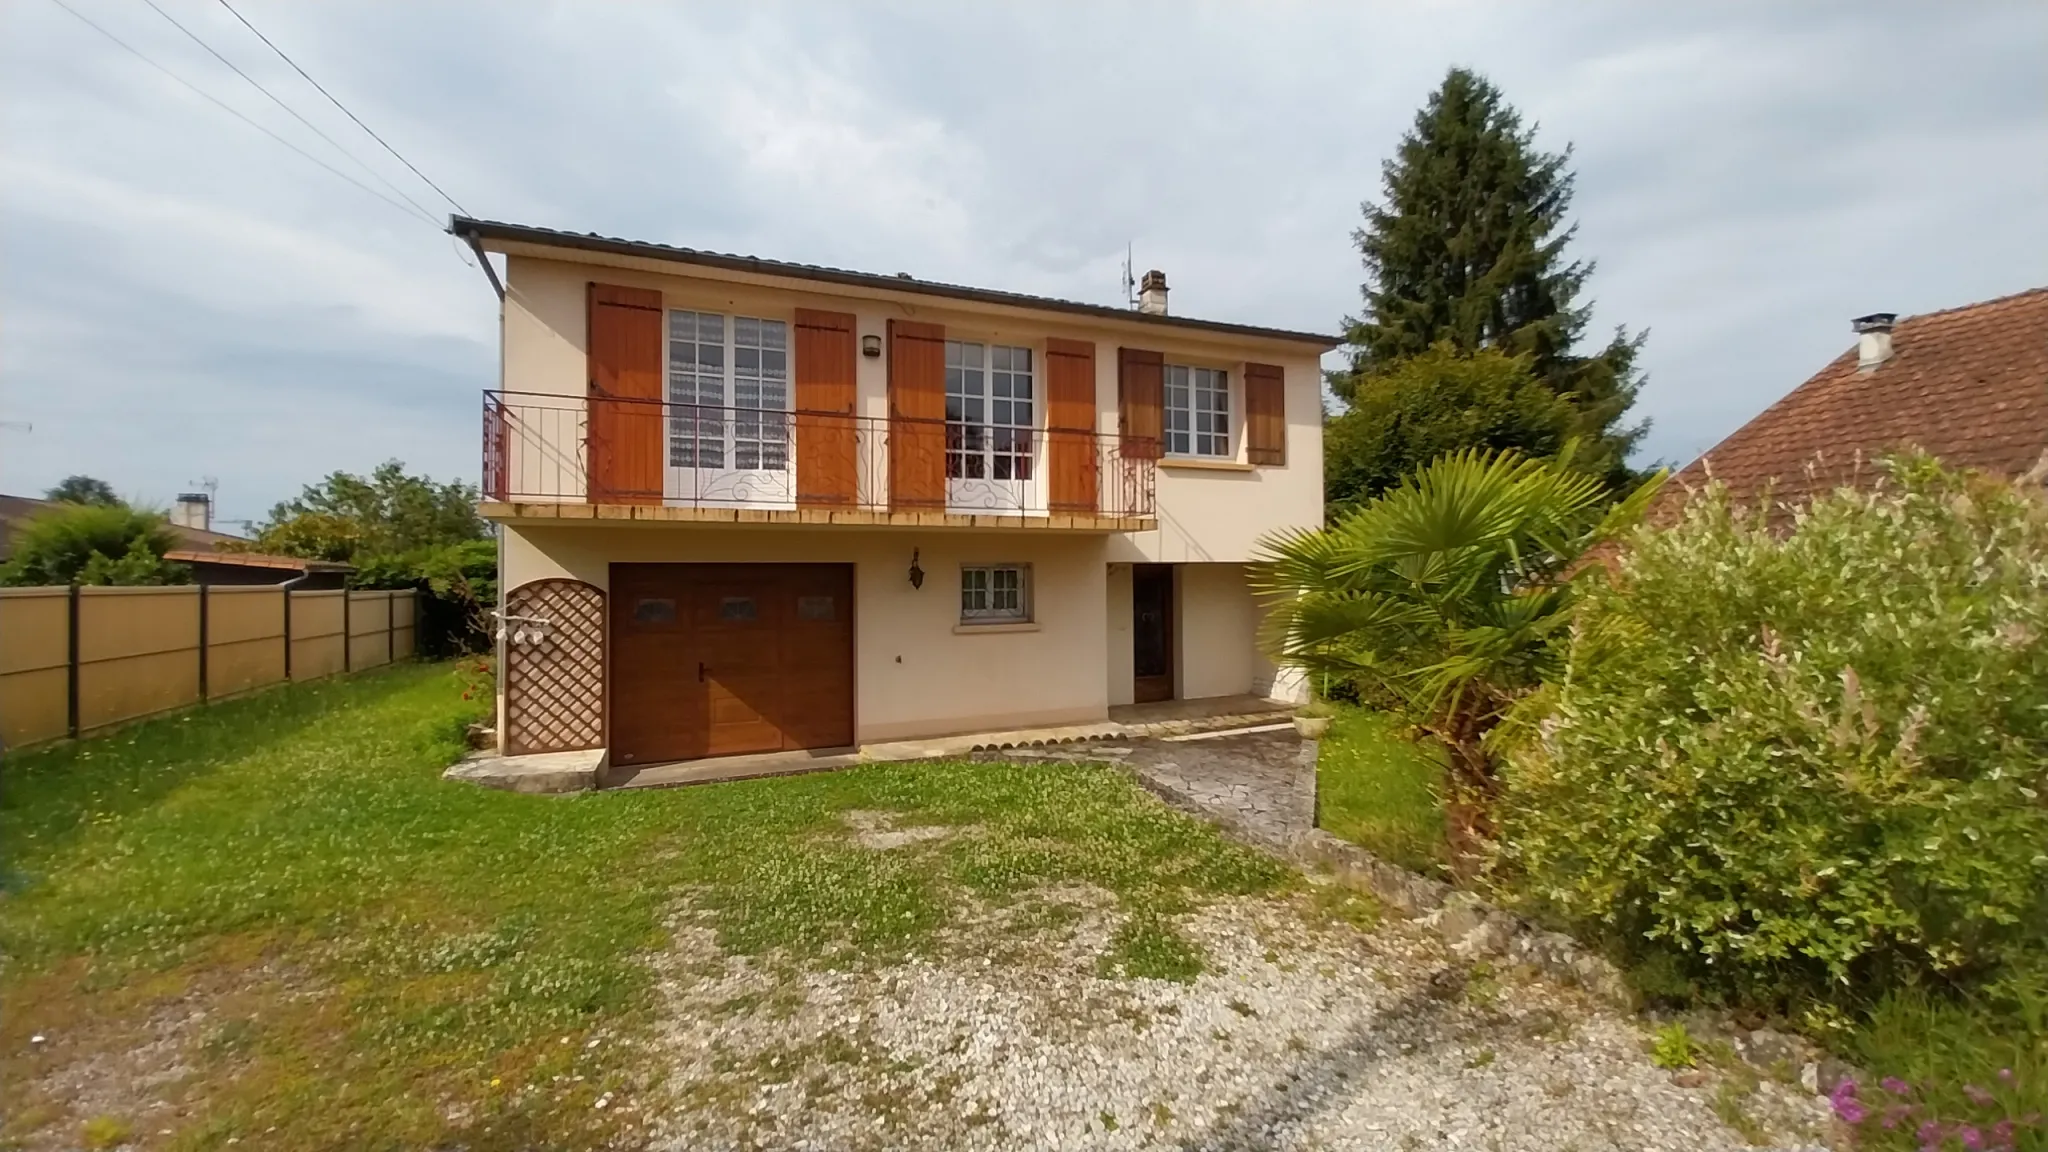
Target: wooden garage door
[{"x": 726, "y": 659}]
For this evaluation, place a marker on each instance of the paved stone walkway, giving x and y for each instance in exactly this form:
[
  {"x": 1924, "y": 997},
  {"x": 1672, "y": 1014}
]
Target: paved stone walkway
[{"x": 1261, "y": 785}]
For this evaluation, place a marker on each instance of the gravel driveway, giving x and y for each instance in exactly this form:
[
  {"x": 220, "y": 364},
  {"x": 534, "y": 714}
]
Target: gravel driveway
[{"x": 1304, "y": 1032}]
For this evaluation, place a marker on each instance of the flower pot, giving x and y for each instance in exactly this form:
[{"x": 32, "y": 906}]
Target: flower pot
[{"x": 1311, "y": 727}]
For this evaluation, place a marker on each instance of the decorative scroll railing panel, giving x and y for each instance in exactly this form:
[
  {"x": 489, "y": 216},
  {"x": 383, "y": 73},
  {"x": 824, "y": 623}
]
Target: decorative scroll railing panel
[{"x": 541, "y": 448}]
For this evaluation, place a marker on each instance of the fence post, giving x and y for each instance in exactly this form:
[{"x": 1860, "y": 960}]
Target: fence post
[
  {"x": 390, "y": 627},
  {"x": 347, "y": 634},
  {"x": 202, "y": 644},
  {"x": 71, "y": 668},
  {"x": 287, "y": 633}
]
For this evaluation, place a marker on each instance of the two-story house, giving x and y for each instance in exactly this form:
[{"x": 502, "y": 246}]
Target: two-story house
[{"x": 750, "y": 506}]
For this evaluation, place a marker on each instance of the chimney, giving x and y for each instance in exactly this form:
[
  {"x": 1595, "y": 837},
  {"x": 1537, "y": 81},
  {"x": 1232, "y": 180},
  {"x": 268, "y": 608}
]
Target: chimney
[
  {"x": 193, "y": 510},
  {"x": 1873, "y": 339},
  {"x": 1152, "y": 293}
]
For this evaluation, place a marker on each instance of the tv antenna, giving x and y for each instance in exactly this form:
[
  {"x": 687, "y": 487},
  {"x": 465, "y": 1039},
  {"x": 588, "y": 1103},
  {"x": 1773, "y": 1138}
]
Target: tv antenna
[{"x": 1130, "y": 280}]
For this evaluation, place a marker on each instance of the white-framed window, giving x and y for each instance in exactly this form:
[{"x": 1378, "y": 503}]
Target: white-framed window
[
  {"x": 728, "y": 391},
  {"x": 989, "y": 411},
  {"x": 995, "y": 593},
  {"x": 1197, "y": 411}
]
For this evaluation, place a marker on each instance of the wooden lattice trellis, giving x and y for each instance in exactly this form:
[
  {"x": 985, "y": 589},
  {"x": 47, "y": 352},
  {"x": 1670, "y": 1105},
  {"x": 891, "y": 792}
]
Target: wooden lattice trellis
[{"x": 554, "y": 667}]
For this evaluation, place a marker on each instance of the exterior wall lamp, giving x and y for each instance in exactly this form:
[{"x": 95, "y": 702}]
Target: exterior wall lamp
[
  {"x": 871, "y": 346},
  {"x": 916, "y": 573}
]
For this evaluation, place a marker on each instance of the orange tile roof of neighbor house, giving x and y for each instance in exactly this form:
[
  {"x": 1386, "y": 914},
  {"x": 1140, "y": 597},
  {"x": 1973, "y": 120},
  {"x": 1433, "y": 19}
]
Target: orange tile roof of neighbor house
[{"x": 1969, "y": 385}]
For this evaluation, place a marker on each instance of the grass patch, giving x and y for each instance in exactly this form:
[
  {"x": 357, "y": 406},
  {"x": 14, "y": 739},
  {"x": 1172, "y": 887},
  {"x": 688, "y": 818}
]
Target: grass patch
[
  {"x": 391, "y": 960},
  {"x": 1382, "y": 791},
  {"x": 1147, "y": 946}
]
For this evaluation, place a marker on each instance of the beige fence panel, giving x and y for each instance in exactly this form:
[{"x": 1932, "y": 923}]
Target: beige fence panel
[
  {"x": 244, "y": 639},
  {"x": 369, "y": 629},
  {"x": 76, "y": 660},
  {"x": 405, "y": 615},
  {"x": 138, "y": 653},
  {"x": 318, "y": 644},
  {"x": 35, "y": 665}
]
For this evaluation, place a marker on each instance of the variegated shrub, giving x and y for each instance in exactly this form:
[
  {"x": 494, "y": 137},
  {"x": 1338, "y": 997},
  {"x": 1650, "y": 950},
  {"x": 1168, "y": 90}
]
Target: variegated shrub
[{"x": 1804, "y": 749}]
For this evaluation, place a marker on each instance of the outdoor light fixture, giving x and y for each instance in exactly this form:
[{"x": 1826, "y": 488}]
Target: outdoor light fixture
[
  {"x": 916, "y": 573},
  {"x": 871, "y": 346}
]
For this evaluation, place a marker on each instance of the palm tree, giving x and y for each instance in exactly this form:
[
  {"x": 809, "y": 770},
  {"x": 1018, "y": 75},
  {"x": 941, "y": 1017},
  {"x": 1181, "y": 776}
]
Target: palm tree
[{"x": 1445, "y": 593}]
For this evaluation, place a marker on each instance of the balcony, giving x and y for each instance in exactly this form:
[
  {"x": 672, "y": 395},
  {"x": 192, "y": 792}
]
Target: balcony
[{"x": 610, "y": 458}]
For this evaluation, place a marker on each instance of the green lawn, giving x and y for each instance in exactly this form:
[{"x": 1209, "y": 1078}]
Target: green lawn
[
  {"x": 1382, "y": 791},
  {"x": 387, "y": 960}
]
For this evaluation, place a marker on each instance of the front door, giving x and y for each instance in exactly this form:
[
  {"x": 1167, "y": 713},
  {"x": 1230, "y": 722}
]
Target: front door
[
  {"x": 729, "y": 659},
  {"x": 1152, "y": 632}
]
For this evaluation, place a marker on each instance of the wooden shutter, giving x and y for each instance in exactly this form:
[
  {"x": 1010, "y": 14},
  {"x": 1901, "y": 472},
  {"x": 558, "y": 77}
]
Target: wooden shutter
[
  {"x": 827, "y": 440},
  {"x": 624, "y": 430},
  {"x": 1070, "y": 425},
  {"x": 1141, "y": 399},
  {"x": 1265, "y": 414},
  {"x": 917, "y": 416}
]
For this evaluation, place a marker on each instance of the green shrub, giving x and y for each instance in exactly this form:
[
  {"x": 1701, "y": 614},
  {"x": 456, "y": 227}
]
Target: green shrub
[
  {"x": 1808, "y": 757},
  {"x": 94, "y": 544}
]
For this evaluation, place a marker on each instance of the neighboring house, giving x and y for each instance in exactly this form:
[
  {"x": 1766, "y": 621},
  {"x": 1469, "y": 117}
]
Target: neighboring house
[
  {"x": 261, "y": 568},
  {"x": 16, "y": 511},
  {"x": 753, "y": 506},
  {"x": 1969, "y": 385}
]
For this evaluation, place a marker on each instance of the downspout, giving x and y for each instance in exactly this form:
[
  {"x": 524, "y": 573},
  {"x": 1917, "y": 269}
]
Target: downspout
[{"x": 286, "y": 588}]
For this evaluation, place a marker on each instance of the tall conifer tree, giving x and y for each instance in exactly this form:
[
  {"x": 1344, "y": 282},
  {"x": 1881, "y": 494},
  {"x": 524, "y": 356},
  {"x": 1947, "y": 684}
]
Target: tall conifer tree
[{"x": 1468, "y": 246}]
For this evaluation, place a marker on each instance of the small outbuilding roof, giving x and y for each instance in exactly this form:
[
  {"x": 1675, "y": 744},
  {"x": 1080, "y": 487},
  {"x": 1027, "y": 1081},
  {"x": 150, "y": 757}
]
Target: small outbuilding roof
[{"x": 257, "y": 560}]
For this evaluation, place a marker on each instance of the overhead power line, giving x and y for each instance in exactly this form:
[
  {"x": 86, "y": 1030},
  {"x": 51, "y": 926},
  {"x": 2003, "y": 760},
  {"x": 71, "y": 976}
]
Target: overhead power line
[
  {"x": 230, "y": 110},
  {"x": 279, "y": 101},
  {"x": 338, "y": 104}
]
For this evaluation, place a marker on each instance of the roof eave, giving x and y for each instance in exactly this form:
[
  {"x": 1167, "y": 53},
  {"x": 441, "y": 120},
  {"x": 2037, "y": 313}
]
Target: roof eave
[{"x": 485, "y": 232}]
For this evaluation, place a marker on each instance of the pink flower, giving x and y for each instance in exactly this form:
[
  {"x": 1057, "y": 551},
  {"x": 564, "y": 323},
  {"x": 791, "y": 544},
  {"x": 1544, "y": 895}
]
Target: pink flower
[
  {"x": 1930, "y": 1134},
  {"x": 1978, "y": 1096},
  {"x": 2005, "y": 1074},
  {"x": 1895, "y": 1086},
  {"x": 1972, "y": 1139}
]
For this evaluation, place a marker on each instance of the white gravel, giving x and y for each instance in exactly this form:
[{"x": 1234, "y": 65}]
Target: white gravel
[{"x": 1302, "y": 1034}]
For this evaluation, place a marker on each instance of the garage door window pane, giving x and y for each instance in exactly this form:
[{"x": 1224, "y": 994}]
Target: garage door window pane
[
  {"x": 815, "y": 608},
  {"x": 654, "y": 611},
  {"x": 737, "y": 608}
]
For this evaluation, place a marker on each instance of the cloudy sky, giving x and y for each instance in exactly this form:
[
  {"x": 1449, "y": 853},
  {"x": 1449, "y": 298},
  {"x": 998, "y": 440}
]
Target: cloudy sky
[{"x": 181, "y": 297}]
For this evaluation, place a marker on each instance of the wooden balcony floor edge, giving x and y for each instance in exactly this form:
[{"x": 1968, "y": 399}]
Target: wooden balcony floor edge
[{"x": 582, "y": 513}]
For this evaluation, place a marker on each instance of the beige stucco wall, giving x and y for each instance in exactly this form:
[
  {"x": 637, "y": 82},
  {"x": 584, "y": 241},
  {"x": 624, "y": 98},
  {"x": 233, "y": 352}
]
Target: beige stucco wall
[
  {"x": 916, "y": 673},
  {"x": 1206, "y": 514},
  {"x": 1216, "y": 634},
  {"x": 1122, "y": 657}
]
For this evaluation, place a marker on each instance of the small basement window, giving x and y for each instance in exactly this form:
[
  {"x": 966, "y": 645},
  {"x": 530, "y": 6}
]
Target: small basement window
[{"x": 995, "y": 594}]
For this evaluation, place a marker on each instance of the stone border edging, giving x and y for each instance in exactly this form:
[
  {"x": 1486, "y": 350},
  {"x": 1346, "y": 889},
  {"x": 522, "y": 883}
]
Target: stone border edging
[
  {"x": 1471, "y": 927},
  {"x": 1474, "y": 928}
]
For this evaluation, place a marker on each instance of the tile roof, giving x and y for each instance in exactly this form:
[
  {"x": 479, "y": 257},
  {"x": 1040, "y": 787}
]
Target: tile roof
[
  {"x": 501, "y": 232},
  {"x": 1969, "y": 385},
  {"x": 15, "y": 512}
]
